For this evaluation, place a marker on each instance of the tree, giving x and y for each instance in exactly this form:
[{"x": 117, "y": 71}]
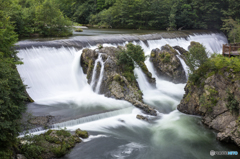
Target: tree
[
  {"x": 172, "y": 20},
  {"x": 232, "y": 27},
  {"x": 51, "y": 21},
  {"x": 196, "y": 57},
  {"x": 127, "y": 57},
  {"x": 7, "y": 35},
  {"x": 12, "y": 90},
  {"x": 100, "y": 5}
]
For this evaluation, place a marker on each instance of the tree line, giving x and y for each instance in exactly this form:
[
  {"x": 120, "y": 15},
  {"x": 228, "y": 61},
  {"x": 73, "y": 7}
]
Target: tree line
[
  {"x": 156, "y": 14},
  {"x": 37, "y": 18}
]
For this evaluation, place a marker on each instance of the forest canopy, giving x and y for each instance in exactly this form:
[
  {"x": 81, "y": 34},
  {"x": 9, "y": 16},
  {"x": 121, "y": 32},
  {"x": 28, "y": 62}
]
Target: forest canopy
[{"x": 155, "y": 14}]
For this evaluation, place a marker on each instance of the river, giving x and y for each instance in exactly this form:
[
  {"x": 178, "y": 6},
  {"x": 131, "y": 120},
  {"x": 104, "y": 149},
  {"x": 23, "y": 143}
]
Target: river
[{"x": 57, "y": 84}]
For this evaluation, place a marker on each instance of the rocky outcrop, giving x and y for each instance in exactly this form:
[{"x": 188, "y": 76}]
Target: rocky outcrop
[
  {"x": 115, "y": 83},
  {"x": 51, "y": 144},
  {"x": 217, "y": 99},
  {"x": 167, "y": 64}
]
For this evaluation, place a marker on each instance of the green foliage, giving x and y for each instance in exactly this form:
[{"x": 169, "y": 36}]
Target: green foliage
[
  {"x": 154, "y": 14},
  {"x": 215, "y": 64},
  {"x": 165, "y": 57},
  {"x": 58, "y": 143},
  {"x": 172, "y": 17},
  {"x": 232, "y": 27},
  {"x": 39, "y": 18},
  {"x": 209, "y": 100},
  {"x": 60, "y": 150},
  {"x": 82, "y": 134},
  {"x": 233, "y": 104},
  {"x": 33, "y": 146},
  {"x": 63, "y": 132},
  {"x": 196, "y": 57},
  {"x": 117, "y": 78},
  {"x": 7, "y": 35},
  {"x": 127, "y": 57},
  {"x": 6, "y": 154},
  {"x": 12, "y": 90}
]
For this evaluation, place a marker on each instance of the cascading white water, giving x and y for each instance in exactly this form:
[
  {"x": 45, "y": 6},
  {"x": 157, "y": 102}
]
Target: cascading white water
[
  {"x": 184, "y": 65},
  {"x": 55, "y": 76},
  {"x": 99, "y": 82}
]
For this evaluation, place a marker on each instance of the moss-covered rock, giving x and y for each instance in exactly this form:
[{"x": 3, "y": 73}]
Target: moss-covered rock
[
  {"x": 52, "y": 144},
  {"x": 81, "y": 133},
  {"x": 167, "y": 64}
]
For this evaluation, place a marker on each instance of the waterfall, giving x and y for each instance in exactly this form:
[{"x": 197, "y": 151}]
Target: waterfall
[
  {"x": 94, "y": 78},
  {"x": 56, "y": 80},
  {"x": 184, "y": 65},
  {"x": 141, "y": 79},
  {"x": 54, "y": 76}
]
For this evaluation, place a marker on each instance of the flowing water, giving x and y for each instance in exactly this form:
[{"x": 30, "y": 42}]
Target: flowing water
[{"x": 57, "y": 84}]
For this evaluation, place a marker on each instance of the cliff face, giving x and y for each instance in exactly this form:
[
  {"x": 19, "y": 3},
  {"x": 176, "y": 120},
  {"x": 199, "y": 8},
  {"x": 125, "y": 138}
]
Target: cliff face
[
  {"x": 167, "y": 64},
  {"x": 217, "y": 99},
  {"x": 114, "y": 84}
]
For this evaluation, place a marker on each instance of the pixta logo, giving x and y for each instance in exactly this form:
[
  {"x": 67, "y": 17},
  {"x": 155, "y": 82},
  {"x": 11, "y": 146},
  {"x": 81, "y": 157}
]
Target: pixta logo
[{"x": 213, "y": 153}]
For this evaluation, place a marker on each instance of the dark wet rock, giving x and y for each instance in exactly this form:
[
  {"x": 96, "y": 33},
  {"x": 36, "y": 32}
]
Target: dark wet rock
[
  {"x": 141, "y": 117},
  {"x": 210, "y": 99},
  {"x": 167, "y": 64},
  {"x": 114, "y": 83},
  {"x": 180, "y": 50}
]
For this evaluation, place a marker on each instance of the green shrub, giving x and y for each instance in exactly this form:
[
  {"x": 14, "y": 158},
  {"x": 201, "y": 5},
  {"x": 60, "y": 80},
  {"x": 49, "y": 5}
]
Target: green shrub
[
  {"x": 209, "y": 101},
  {"x": 12, "y": 90},
  {"x": 6, "y": 154},
  {"x": 196, "y": 57},
  {"x": 81, "y": 133},
  {"x": 63, "y": 132},
  {"x": 60, "y": 151},
  {"x": 167, "y": 57},
  {"x": 233, "y": 104},
  {"x": 126, "y": 58},
  {"x": 33, "y": 146},
  {"x": 117, "y": 78},
  {"x": 215, "y": 64}
]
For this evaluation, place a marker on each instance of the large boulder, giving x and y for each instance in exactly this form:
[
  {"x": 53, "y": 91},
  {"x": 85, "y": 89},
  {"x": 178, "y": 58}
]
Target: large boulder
[
  {"x": 167, "y": 64},
  {"x": 211, "y": 99},
  {"x": 114, "y": 83}
]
